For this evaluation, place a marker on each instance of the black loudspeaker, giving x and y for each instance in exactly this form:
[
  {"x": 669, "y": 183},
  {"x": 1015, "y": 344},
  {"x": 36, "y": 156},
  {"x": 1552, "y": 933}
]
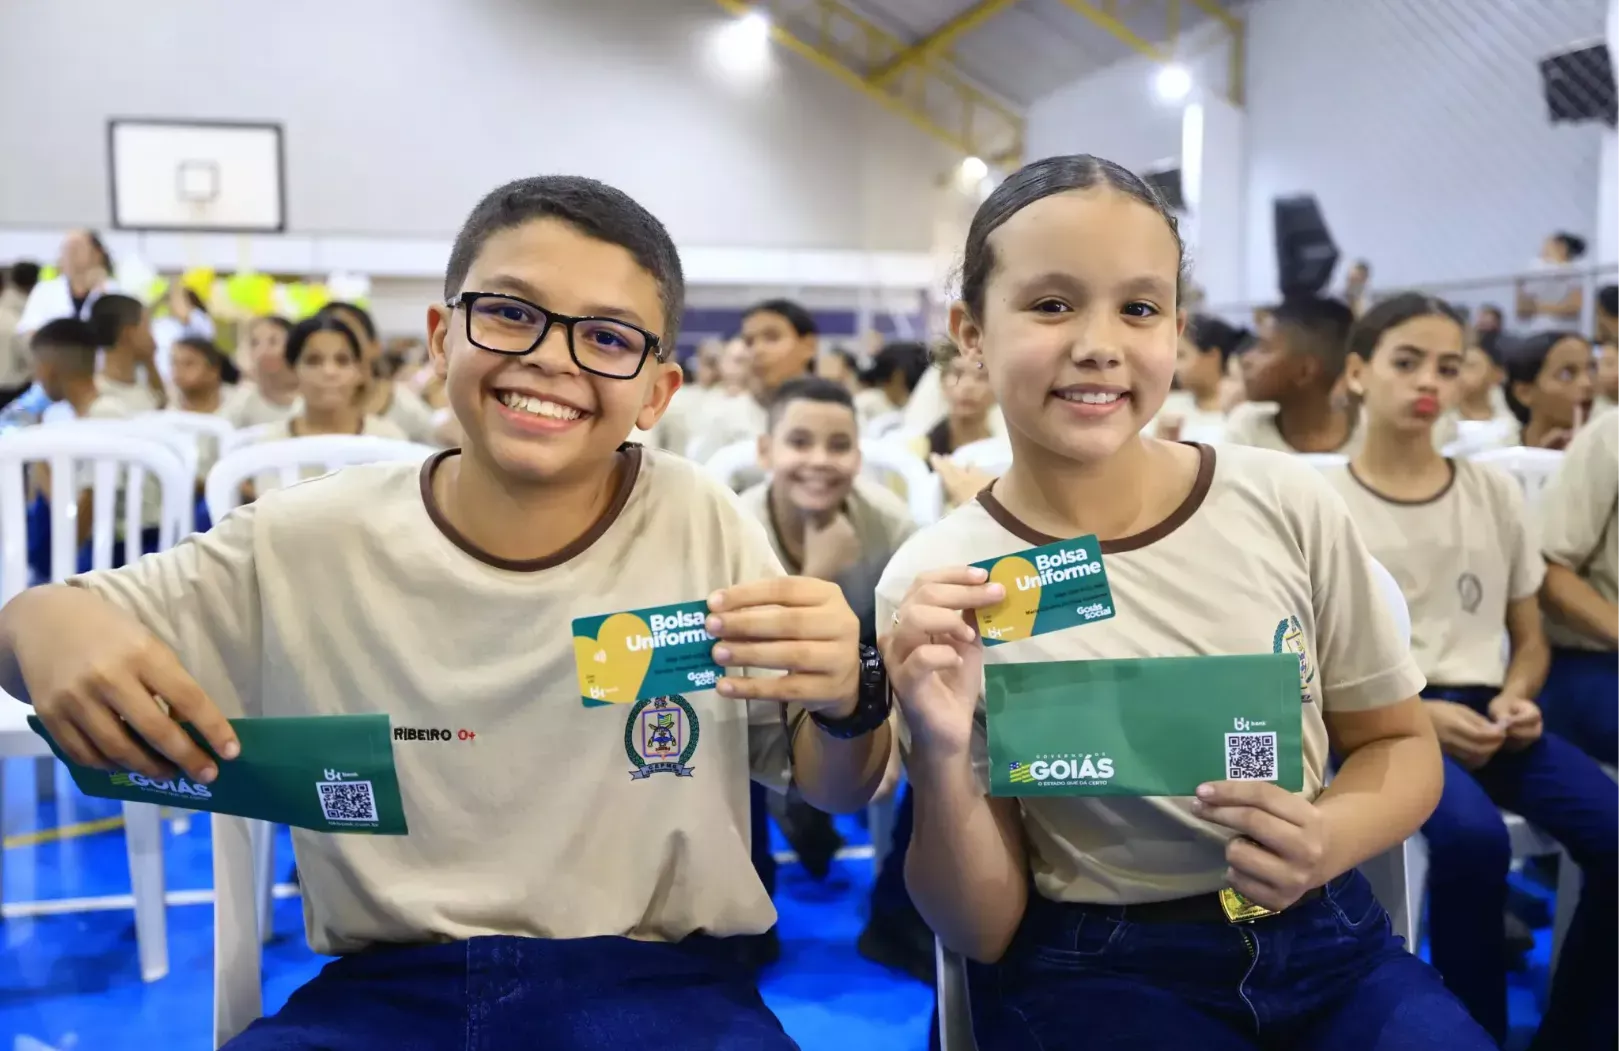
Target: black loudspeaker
[
  {"x": 1579, "y": 85},
  {"x": 1305, "y": 253},
  {"x": 1167, "y": 182}
]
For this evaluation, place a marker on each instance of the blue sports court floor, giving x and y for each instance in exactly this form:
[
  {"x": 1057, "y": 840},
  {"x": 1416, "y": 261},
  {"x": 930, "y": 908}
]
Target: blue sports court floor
[{"x": 69, "y": 981}]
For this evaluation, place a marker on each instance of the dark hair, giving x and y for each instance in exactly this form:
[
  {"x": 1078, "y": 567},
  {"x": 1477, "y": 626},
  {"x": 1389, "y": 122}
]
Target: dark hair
[
  {"x": 112, "y": 314},
  {"x": 1322, "y": 326},
  {"x": 71, "y": 341},
  {"x": 905, "y": 358},
  {"x": 1492, "y": 308},
  {"x": 1042, "y": 179},
  {"x": 1523, "y": 357},
  {"x": 1573, "y": 244},
  {"x": 845, "y": 355},
  {"x": 1490, "y": 344},
  {"x": 367, "y": 325},
  {"x": 321, "y": 322},
  {"x": 275, "y": 319},
  {"x": 1608, "y": 299},
  {"x": 25, "y": 275},
  {"x": 196, "y": 300},
  {"x": 800, "y": 319},
  {"x": 593, "y": 208},
  {"x": 228, "y": 372},
  {"x": 808, "y": 388},
  {"x": 1392, "y": 312},
  {"x": 1207, "y": 333}
]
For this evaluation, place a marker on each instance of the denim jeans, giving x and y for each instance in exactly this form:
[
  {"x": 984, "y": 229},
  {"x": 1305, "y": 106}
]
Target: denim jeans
[
  {"x": 518, "y": 994},
  {"x": 1563, "y": 791},
  {"x": 1326, "y": 975},
  {"x": 1580, "y": 702}
]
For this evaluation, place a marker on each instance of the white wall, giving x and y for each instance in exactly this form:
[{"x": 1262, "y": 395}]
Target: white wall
[
  {"x": 1421, "y": 127},
  {"x": 1113, "y": 112},
  {"x": 399, "y": 114}
]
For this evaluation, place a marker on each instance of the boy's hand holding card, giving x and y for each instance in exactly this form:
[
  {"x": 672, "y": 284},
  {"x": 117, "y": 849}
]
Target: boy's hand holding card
[{"x": 797, "y": 625}]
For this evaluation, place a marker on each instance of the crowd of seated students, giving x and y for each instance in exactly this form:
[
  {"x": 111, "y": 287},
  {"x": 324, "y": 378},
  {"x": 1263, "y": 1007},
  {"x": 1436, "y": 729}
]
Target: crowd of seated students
[{"x": 1037, "y": 895}]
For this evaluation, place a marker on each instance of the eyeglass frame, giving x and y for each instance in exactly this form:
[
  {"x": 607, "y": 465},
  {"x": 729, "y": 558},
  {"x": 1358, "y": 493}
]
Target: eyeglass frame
[{"x": 654, "y": 343}]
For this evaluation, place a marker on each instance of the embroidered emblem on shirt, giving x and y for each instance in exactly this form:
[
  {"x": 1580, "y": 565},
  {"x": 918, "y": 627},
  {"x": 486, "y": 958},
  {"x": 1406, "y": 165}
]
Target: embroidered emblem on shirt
[{"x": 660, "y": 737}]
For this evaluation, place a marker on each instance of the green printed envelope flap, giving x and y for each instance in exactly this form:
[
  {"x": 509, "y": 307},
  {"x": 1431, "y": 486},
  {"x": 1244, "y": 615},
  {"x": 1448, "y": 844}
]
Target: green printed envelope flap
[
  {"x": 1048, "y": 588},
  {"x": 661, "y": 651},
  {"x": 1148, "y": 727},
  {"x": 327, "y": 773}
]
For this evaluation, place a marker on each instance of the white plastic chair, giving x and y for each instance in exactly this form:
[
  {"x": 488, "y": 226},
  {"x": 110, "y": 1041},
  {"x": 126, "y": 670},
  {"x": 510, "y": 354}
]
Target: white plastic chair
[
  {"x": 288, "y": 459},
  {"x": 204, "y": 423},
  {"x": 118, "y": 460},
  {"x": 1533, "y": 468},
  {"x": 244, "y": 850},
  {"x": 182, "y": 443},
  {"x": 923, "y": 492},
  {"x": 731, "y": 460},
  {"x": 1322, "y": 461},
  {"x": 243, "y": 436},
  {"x": 992, "y": 454},
  {"x": 884, "y": 424},
  {"x": 1387, "y": 873}
]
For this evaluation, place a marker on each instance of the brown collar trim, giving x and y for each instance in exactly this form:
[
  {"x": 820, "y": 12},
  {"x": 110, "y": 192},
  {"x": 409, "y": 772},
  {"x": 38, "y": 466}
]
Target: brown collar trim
[
  {"x": 1386, "y": 498},
  {"x": 626, "y": 485},
  {"x": 1175, "y": 519}
]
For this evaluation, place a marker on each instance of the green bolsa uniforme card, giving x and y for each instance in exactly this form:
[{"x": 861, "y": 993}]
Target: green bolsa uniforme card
[
  {"x": 661, "y": 651},
  {"x": 1048, "y": 589}
]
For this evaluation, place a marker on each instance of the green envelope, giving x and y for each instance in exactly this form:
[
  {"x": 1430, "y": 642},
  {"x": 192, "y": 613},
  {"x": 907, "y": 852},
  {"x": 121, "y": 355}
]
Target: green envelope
[
  {"x": 327, "y": 773},
  {"x": 1151, "y": 727}
]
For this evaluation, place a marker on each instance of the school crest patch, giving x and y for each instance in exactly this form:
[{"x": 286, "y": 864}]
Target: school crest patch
[
  {"x": 660, "y": 737},
  {"x": 1289, "y": 638},
  {"x": 1470, "y": 590}
]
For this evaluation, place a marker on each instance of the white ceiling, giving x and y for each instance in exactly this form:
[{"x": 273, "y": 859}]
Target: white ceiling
[{"x": 1035, "y": 46}]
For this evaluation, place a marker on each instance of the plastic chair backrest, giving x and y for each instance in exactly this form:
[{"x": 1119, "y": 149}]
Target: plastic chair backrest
[
  {"x": 884, "y": 424},
  {"x": 116, "y": 460},
  {"x": 728, "y": 461},
  {"x": 1533, "y": 468},
  {"x": 216, "y": 427},
  {"x": 184, "y": 443},
  {"x": 243, "y": 436},
  {"x": 289, "y": 459},
  {"x": 992, "y": 454},
  {"x": 923, "y": 492}
]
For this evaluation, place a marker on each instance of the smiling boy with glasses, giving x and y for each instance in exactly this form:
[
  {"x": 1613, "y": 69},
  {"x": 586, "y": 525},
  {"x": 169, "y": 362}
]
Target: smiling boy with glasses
[{"x": 554, "y": 890}]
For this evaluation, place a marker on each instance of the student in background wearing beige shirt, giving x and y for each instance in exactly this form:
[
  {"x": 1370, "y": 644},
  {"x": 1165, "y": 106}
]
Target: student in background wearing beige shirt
[
  {"x": 779, "y": 340},
  {"x": 563, "y": 886},
  {"x": 1289, "y": 374},
  {"x": 1196, "y": 412},
  {"x": 1096, "y": 921},
  {"x": 1550, "y": 386},
  {"x": 271, "y": 393},
  {"x": 1455, "y": 536},
  {"x": 384, "y": 397},
  {"x": 1580, "y": 541},
  {"x": 128, "y": 365}
]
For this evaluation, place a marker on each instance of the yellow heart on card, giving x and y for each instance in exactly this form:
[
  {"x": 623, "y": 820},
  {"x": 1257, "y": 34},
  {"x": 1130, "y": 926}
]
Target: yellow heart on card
[
  {"x": 1013, "y": 617},
  {"x": 610, "y": 670}
]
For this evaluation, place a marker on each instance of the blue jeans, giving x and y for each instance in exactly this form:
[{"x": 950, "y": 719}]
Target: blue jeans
[
  {"x": 517, "y": 994},
  {"x": 1561, "y": 790},
  {"x": 1326, "y": 975},
  {"x": 38, "y": 522},
  {"x": 1580, "y": 702}
]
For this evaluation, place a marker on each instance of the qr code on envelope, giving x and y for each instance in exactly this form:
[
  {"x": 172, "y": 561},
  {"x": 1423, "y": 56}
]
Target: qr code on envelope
[
  {"x": 351, "y": 801},
  {"x": 1250, "y": 757}
]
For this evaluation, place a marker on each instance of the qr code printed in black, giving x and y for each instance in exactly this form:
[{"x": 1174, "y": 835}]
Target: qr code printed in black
[
  {"x": 347, "y": 801},
  {"x": 1250, "y": 757}
]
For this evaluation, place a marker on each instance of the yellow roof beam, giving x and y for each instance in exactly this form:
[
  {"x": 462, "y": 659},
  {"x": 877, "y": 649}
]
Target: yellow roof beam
[
  {"x": 1119, "y": 30},
  {"x": 939, "y": 40}
]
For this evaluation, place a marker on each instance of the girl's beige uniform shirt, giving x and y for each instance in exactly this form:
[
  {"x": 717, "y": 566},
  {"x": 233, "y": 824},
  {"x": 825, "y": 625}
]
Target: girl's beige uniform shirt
[
  {"x": 354, "y": 593},
  {"x": 1577, "y": 519},
  {"x": 1261, "y": 557},
  {"x": 1459, "y": 558}
]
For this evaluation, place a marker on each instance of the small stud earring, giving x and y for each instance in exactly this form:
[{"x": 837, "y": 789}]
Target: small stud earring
[{"x": 979, "y": 364}]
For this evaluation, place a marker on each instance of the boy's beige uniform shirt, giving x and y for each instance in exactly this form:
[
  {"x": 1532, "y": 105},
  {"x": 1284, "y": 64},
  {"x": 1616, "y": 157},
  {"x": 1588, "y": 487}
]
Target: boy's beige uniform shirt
[
  {"x": 1261, "y": 557},
  {"x": 353, "y": 593},
  {"x": 1459, "y": 558},
  {"x": 1577, "y": 519}
]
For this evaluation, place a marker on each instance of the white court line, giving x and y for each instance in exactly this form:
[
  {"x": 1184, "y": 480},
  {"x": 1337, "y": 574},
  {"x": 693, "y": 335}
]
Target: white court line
[{"x": 114, "y": 902}]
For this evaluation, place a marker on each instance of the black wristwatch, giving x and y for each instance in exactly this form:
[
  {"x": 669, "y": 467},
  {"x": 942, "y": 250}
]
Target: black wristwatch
[{"x": 872, "y": 703}]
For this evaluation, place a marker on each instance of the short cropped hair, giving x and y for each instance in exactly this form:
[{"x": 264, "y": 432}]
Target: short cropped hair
[
  {"x": 69, "y": 341},
  {"x": 906, "y": 358},
  {"x": 1318, "y": 326},
  {"x": 802, "y": 320},
  {"x": 591, "y": 207},
  {"x": 25, "y": 275},
  {"x": 808, "y": 388},
  {"x": 1207, "y": 332},
  {"x": 111, "y": 314}
]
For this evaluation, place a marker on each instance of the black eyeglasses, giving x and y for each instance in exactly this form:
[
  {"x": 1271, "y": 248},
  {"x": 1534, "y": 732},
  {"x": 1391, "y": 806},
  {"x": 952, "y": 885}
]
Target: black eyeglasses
[{"x": 602, "y": 345}]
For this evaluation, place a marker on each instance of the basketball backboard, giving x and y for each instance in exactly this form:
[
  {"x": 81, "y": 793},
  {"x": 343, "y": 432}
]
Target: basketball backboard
[{"x": 215, "y": 176}]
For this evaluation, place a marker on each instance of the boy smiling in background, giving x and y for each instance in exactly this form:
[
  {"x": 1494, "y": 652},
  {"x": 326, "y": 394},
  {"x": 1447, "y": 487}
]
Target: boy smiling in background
[{"x": 545, "y": 897}]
